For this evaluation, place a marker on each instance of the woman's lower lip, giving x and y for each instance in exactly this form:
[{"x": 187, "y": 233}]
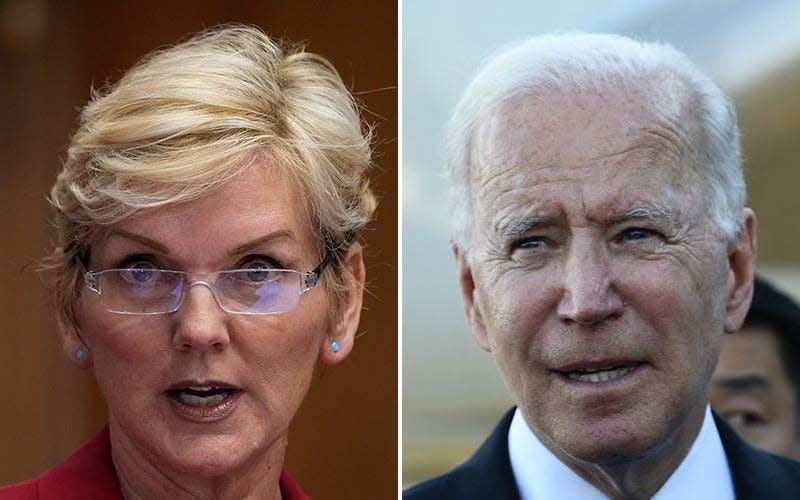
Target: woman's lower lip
[{"x": 204, "y": 414}]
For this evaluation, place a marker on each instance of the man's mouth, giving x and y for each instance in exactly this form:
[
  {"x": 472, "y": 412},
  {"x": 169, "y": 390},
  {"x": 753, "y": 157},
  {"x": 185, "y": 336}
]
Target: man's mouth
[
  {"x": 599, "y": 374},
  {"x": 202, "y": 396}
]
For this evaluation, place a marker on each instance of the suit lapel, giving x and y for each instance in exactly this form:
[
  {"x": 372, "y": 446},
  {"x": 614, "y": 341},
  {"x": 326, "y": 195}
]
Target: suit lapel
[
  {"x": 756, "y": 474},
  {"x": 488, "y": 473}
]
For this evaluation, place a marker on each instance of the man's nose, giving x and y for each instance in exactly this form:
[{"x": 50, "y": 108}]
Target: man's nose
[{"x": 589, "y": 295}]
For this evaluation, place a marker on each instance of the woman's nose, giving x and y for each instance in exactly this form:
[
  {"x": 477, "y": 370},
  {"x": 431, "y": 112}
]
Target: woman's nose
[{"x": 200, "y": 322}]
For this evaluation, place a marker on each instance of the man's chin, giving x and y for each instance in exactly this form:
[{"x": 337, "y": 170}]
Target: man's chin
[
  {"x": 610, "y": 443},
  {"x": 611, "y": 456}
]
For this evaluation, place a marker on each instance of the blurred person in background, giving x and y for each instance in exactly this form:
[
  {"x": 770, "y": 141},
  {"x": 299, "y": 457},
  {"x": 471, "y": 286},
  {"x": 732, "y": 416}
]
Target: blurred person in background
[
  {"x": 208, "y": 217},
  {"x": 756, "y": 385},
  {"x": 603, "y": 248}
]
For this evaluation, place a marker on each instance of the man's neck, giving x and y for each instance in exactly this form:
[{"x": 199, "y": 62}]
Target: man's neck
[{"x": 639, "y": 477}]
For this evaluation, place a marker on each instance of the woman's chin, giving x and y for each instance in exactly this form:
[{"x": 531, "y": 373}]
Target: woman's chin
[
  {"x": 185, "y": 447},
  {"x": 208, "y": 466},
  {"x": 209, "y": 456}
]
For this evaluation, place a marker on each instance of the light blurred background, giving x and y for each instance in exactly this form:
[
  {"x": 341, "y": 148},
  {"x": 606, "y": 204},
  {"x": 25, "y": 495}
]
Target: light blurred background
[{"x": 452, "y": 393}]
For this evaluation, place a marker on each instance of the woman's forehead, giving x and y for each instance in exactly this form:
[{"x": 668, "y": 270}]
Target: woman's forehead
[{"x": 256, "y": 205}]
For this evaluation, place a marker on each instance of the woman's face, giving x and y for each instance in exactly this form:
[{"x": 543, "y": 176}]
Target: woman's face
[{"x": 201, "y": 391}]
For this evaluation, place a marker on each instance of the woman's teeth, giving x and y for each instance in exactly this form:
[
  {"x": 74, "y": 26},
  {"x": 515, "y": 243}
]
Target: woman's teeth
[{"x": 202, "y": 396}]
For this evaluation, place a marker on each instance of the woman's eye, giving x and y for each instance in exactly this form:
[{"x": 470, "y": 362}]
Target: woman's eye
[
  {"x": 258, "y": 274},
  {"x": 259, "y": 269},
  {"x": 140, "y": 272}
]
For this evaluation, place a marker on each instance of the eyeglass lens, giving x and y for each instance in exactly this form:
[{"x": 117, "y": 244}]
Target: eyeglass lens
[{"x": 153, "y": 291}]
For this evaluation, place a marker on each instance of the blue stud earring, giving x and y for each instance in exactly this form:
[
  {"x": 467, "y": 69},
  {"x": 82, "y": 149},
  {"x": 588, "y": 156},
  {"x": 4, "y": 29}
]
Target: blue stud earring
[
  {"x": 335, "y": 346},
  {"x": 79, "y": 353}
]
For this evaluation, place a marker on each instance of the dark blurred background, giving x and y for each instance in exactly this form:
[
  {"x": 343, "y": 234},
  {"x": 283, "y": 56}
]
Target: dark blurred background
[{"x": 343, "y": 443}]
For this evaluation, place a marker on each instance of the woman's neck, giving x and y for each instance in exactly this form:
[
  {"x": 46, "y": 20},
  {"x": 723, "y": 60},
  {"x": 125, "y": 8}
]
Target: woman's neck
[{"x": 142, "y": 477}]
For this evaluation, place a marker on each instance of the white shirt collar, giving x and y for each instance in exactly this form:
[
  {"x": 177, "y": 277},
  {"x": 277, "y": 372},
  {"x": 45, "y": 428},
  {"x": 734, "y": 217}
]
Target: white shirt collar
[{"x": 540, "y": 475}]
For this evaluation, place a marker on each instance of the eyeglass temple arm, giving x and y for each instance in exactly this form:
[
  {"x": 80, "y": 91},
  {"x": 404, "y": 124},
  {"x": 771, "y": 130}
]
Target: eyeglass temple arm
[
  {"x": 91, "y": 282},
  {"x": 313, "y": 276}
]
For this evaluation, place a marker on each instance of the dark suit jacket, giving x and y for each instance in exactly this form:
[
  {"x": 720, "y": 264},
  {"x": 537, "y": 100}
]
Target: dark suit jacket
[{"x": 487, "y": 475}]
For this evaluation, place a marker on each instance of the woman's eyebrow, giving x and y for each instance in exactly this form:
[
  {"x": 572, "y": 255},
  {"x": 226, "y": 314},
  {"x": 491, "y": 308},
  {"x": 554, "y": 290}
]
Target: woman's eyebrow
[
  {"x": 281, "y": 234},
  {"x": 144, "y": 240}
]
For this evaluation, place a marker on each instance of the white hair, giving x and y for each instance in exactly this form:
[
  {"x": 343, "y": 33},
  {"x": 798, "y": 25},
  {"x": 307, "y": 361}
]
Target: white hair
[{"x": 576, "y": 62}]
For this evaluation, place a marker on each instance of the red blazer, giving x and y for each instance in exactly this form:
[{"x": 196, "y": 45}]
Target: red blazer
[{"x": 89, "y": 474}]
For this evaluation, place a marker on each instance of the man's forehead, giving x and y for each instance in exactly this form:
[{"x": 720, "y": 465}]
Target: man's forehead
[
  {"x": 579, "y": 127},
  {"x": 635, "y": 184},
  {"x": 510, "y": 217},
  {"x": 643, "y": 172},
  {"x": 536, "y": 140}
]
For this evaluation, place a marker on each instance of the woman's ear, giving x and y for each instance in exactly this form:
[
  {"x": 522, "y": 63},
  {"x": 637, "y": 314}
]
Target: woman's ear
[
  {"x": 337, "y": 346},
  {"x": 68, "y": 331},
  {"x": 71, "y": 342}
]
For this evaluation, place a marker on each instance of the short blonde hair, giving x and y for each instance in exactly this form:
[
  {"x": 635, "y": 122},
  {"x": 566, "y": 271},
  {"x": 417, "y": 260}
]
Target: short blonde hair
[{"x": 187, "y": 118}]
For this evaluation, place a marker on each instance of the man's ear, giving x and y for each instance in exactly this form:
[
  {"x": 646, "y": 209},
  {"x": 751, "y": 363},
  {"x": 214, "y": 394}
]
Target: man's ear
[
  {"x": 472, "y": 305},
  {"x": 337, "y": 346},
  {"x": 741, "y": 267},
  {"x": 72, "y": 344}
]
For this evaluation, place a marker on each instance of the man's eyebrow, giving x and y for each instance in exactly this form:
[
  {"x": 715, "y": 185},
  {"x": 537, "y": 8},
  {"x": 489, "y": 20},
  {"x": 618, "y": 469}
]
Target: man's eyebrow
[
  {"x": 652, "y": 213},
  {"x": 742, "y": 382},
  {"x": 517, "y": 227},
  {"x": 258, "y": 242},
  {"x": 144, "y": 240}
]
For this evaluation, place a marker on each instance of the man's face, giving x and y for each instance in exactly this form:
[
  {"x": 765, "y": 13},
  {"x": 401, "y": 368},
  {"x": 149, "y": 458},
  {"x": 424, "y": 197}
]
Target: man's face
[
  {"x": 595, "y": 276},
  {"x": 751, "y": 389}
]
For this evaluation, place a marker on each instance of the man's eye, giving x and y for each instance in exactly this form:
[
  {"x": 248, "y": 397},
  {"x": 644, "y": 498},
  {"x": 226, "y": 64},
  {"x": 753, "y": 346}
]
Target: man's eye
[
  {"x": 530, "y": 243},
  {"x": 636, "y": 234},
  {"x": 743, "y": 419}
]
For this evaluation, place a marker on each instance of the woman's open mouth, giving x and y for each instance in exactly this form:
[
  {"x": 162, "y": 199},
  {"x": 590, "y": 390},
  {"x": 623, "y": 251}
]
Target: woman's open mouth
[
  {"x": 201, "y": 396},
  {"x": 203, "y": 402}
]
